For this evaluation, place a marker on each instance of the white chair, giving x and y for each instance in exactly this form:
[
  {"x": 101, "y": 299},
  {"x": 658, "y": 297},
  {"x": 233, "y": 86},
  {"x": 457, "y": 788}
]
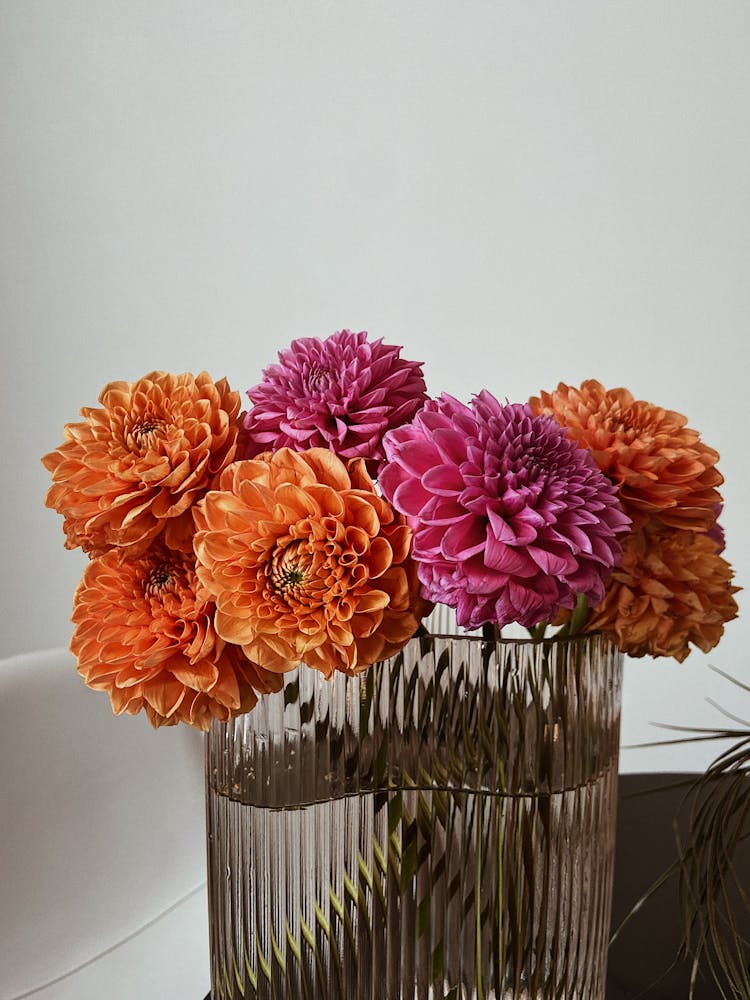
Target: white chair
[{"x": 102, "y": 844}]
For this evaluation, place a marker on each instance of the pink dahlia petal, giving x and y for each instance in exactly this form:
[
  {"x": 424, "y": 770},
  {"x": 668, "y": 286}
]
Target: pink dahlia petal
[
  {"x": 443, "y": 480},
  {"x": 511, "y": 519},
  {"x": 500, "y": 530},
  {"x": 716, "y": 531},
  {"x": 342, "y": 393},
  {"x": 411, "y": 497},
  {"x": 463, "y": 539}
]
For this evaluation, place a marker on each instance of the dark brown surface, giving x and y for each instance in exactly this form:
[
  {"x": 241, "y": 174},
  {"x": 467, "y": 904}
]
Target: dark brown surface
[
  {"x": 642, "y": 955},
  {"x": 640, "y": 960}
]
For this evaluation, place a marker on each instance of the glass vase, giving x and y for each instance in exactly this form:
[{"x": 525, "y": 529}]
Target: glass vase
[{"x": 440, "y": 826}]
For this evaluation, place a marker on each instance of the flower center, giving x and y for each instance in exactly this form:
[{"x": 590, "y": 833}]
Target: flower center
[
  {"x": 318, "y": 377},
  {"x": 143, "y": 432},
  {"x": 289, "y": 569},
  {"x": 625, "y": 424},
  {"x": 160, "y": 579}
]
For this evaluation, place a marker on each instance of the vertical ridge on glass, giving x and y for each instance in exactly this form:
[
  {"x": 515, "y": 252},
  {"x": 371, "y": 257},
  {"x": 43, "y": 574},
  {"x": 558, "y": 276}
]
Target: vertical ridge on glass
[{"x": 441, "y": 826}]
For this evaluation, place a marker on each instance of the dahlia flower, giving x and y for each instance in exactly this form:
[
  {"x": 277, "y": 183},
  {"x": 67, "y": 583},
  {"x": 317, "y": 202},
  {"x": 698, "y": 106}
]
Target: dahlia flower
[
  {"x": 716, "y": 531},
  {"x": 511, "y": 520},
  {"x": 144, "y": 634},
  {"x": 342, "y": 393},
  {"x": 660, "y": 466},
  {"x": 307, "y": 563},
  {"x": 671, "y": 589},
  {"x": 131, "y": 469}
]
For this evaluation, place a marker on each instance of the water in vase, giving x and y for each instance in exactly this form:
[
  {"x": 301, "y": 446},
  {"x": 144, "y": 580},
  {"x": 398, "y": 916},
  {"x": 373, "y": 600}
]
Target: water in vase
[{"x": 418, "y": 894}]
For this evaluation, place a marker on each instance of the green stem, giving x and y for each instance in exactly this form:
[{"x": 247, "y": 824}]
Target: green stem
[
  {"x": 478, "y": 899},
  {"x": 537, "y": 632},
  {"x": 490, "y": 632},
  {"x": 578, "y": 619}
]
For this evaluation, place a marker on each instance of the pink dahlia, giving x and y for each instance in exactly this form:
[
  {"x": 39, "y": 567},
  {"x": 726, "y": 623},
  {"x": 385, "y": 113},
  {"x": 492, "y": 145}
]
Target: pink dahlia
[
  {"x": 342, "y": 393},
  {"x": 716, "y": 532},
  {"x": 511, "y": 519}
]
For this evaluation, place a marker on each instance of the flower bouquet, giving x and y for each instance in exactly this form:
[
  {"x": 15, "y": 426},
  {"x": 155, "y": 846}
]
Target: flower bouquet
[{"x": 393, "y": 809}]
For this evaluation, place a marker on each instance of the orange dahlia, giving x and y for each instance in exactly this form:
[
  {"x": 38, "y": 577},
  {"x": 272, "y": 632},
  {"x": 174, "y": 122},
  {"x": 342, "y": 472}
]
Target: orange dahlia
[
  {"x": 307, "y": 563},
  {"x": 660, "y": 465},
  {"x": 672, "y": 589},
  {"x": 133, "y": 468},
  {"x": 144, "y": 634}
]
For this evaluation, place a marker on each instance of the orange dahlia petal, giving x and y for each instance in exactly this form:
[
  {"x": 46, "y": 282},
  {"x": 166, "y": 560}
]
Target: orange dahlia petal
[
  {"x": 673, "y": 589},
  {"x": 296, "y": 576},
  {"x": 201, "y": 677},
  {"x": 144, "y": 633},
  {"x": 126, "y": 700},
  {"x": 133, "y": 468},
  {"x": 164, "y": 694},
  {"x": 660, "y": 465},
  {"x": 326, "y": 468}
]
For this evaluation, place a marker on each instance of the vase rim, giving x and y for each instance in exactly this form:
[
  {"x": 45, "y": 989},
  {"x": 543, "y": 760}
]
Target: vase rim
[{"x": 579, "y": 638}]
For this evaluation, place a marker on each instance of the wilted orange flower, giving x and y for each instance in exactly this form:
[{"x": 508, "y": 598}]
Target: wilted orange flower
[
  {"x": 672, "y": 589},
  {"x": 133, "y": 468},
  {"x": 307, "y": 563},
  {"x": 660, "y": 465},
  {"x": 144, "y": 634}
]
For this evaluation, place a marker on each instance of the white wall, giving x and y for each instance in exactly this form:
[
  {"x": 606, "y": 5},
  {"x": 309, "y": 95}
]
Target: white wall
[{"x": 519, "y": 193}]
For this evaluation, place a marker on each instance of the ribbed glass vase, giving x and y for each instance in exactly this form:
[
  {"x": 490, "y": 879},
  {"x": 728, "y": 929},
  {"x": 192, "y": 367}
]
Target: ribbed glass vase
[{"x": 441, "y": 826}]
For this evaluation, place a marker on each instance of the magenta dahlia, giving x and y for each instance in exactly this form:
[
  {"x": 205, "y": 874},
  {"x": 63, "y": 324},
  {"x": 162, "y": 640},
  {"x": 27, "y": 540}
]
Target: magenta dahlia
[
  {"x": 342, "y": 393},
  {"x": 716, "y": 531},
  {"x": 512, "y": 520}
]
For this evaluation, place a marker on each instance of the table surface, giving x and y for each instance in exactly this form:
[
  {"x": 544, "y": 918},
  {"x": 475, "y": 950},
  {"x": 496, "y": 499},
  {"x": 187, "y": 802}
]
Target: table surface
[
  {"x": 649, "y": 943},
  {"x": 643, "y": 954}
]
